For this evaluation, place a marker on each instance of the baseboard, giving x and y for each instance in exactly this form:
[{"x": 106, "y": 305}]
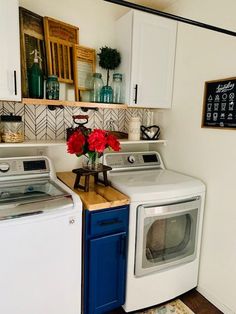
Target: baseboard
[{"x": 222, "y": 307}]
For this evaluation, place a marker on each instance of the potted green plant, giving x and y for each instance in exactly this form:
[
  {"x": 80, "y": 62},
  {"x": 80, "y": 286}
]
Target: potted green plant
[{"x": 109, "y": 59}]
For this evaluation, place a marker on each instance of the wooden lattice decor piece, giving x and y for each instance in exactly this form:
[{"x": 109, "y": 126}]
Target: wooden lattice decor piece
[
  {"x": 84, "y": 66},
  {"x": 60, "y": 38}
]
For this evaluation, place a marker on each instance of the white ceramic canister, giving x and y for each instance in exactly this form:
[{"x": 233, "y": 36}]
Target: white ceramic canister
[{"x": 134, "y": 129}]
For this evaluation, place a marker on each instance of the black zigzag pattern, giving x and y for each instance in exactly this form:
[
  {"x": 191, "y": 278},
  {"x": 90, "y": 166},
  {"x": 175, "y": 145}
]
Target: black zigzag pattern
[{"x": 43, "y": 124}]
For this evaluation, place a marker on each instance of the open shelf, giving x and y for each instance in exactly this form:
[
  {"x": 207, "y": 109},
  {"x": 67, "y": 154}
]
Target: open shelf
[
  {"x": 47, "y": 143},
  {"x": 47, "y": 102},
  {"x": 35, "y": 143},
  {"x": 127, "y": 142}
]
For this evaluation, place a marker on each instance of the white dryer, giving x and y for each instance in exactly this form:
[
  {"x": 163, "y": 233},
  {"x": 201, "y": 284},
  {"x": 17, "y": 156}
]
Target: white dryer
[{"x": 166, "y": 214}]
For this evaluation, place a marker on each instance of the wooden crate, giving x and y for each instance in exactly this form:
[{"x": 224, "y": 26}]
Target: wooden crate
[
  {"x": 31, "y": 38},
  {"x": 84, "y": 64},
  {"x": 60, "y": 38}
]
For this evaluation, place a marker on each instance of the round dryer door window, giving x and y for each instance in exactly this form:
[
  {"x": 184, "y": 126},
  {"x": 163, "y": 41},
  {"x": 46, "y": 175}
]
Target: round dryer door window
[{"x": 166, "y": 235}]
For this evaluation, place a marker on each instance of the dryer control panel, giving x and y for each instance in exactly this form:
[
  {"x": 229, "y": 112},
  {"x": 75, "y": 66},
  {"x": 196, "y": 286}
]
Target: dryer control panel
[{"x": 133, "y": 160}]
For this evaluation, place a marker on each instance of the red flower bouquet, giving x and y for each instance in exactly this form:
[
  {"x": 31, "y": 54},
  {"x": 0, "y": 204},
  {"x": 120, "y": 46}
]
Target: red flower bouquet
[{"x": 91, "y": 143}]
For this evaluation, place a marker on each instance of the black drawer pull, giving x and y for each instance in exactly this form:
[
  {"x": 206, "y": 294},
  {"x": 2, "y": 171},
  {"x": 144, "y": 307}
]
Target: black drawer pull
[
  {"x": 15, "y": 83},
  {"x": 136, "y": 93},
  {"x": 123, "y": 245},
  {"x": 109, "y": 222}
]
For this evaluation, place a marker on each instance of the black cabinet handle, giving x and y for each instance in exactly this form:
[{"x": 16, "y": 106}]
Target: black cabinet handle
[
  {"x": 123, "y": 245},
  {"x": 15, "y": 83},
  {"x": 136, "y": 93},
  {"x": 109, "y": 222}
]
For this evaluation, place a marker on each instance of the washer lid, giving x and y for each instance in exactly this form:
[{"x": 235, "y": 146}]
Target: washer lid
[
  {"x": 155, "y": 184},
  {"x": 24, "y": 197}
]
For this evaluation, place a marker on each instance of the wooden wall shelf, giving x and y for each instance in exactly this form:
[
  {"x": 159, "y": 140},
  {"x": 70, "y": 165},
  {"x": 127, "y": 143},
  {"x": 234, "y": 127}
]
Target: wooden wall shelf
[{"x": 47, "y": 102}]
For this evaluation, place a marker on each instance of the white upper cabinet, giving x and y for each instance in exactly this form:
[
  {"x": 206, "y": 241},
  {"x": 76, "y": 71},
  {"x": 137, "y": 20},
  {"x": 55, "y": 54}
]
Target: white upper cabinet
[
  {"x": 10, "y": 81},
  {"x": 147, "y": 44}
]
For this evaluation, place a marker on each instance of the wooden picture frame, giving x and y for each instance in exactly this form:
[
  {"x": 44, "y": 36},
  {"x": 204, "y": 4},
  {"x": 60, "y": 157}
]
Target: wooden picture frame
[
  {"x": 31, "y": 38},
  {"x": 219, "y": 104},
  {"x": 60, "y": 38},
  {"x": 84, "y": 67}
]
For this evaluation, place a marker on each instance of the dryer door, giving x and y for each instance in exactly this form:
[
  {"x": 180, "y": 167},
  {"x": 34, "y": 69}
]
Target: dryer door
[{"x": 166, "y": 235}]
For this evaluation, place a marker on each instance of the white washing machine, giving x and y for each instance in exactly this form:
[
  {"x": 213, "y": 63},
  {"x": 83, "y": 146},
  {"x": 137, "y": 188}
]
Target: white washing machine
[
  {"x": 166, "y": 214},
  {"x": 40, "y": 239}
]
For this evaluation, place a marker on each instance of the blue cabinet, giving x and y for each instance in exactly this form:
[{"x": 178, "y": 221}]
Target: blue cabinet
[{"x": 105, "y": 259}]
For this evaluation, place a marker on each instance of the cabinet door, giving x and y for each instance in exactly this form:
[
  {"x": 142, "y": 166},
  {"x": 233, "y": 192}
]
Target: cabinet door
[
  {"x": 153, "y": 57},
  {"x": 10, "y": 88},
  {"x": 107, "y": 264}
]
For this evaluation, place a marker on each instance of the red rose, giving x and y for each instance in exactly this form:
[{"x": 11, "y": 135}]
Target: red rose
[
  {"x": 75, "y": 143},
  {"x": 113, "y": 142},
  {"x": 97, "y": 140}
]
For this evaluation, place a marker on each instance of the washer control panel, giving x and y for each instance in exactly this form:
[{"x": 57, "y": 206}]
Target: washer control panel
[
  {"x": 133, "y": 160},
  {"x": 20, "y": 166}
]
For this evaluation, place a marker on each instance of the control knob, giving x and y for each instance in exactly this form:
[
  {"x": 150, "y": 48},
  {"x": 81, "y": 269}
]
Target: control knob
[
  {"x": 4, "y": 167},
  {"x": 131, "y": 159}
]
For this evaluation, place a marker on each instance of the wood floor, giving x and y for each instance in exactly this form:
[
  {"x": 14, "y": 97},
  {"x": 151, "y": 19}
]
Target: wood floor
[
  {"x": 198, "y": 304},
  {"x": 194, "y": 300}
]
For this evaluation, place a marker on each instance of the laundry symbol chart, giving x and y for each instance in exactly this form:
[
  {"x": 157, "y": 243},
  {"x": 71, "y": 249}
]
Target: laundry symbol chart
[{"x": 220, "y": 104}]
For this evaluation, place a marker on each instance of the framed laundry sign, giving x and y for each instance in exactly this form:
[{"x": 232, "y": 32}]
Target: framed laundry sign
[{"x": 219, "y": 108}]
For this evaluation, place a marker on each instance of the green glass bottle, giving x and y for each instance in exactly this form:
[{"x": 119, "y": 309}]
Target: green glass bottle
[{"x": 35, "y": 78}]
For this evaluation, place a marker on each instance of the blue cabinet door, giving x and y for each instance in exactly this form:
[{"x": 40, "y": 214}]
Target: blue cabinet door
[{"x": 107, "y": 265}]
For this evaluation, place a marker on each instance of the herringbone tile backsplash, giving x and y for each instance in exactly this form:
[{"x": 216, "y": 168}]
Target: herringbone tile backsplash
[{"x": 43, "y": 124}]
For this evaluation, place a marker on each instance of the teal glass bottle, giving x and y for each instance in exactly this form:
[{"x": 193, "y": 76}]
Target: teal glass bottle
[
  {"x": 107, "y": 94},
  {"x": 52, "y": 87},
  {"x": 35, "y": 79}
]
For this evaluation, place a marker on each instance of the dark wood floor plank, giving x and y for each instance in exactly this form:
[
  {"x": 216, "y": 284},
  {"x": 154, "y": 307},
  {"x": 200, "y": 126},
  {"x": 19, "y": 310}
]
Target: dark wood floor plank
[{"x": 198, "y": 304}]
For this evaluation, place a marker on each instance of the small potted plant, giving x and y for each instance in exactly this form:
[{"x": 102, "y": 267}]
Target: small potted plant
[{"x": 109, "y": 59}]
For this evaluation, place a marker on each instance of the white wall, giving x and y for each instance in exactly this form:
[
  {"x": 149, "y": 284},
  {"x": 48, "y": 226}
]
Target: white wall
[
  {"x": 209, "y": 154},
  {"x": 95, "y": 18}
]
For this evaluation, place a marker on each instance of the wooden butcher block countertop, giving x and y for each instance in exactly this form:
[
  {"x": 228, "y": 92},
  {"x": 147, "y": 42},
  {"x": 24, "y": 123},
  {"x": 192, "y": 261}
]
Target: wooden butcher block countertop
[{"x": 98, "y": 197}]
